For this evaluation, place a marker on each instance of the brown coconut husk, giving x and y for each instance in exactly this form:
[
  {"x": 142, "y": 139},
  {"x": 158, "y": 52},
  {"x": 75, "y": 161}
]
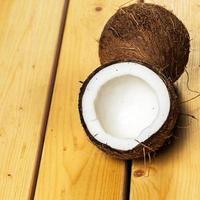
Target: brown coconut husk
[
  {"x": 147, "y": 33},
  {"x": 154, "y": 142}
]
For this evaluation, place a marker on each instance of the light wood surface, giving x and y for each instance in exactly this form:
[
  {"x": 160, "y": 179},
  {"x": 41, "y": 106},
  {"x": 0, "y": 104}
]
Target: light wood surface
[
  {"x": 28, "y": 41},
  {"x": 174, "y": 174},
  {"x": 71, "y": 167}
]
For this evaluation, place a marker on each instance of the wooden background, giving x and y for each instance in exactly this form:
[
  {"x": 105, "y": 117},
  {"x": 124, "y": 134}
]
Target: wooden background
[{"x": 46, "y": 48}]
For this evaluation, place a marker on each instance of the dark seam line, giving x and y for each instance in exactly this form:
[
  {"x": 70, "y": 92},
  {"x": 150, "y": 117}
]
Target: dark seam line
[
  {"x": 49, "y": 97},
  {"x": 127, "y": 181}
]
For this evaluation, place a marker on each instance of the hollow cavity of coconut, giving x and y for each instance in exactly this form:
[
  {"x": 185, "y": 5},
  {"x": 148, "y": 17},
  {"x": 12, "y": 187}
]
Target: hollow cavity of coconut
[
  {"x": 127, "y": 109},
  {"x": 147, "y": 33}
]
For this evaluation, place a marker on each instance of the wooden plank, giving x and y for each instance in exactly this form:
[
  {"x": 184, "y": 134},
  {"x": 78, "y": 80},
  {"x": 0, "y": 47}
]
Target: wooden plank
[
  {"x": 174, "y": 174},
  {"x": 29, "y": 33},
  {"x": 71, "y": 167}
]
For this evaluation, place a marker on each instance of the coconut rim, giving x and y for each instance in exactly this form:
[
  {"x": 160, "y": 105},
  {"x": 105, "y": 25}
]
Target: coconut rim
[{"x": 135, "y": 142}]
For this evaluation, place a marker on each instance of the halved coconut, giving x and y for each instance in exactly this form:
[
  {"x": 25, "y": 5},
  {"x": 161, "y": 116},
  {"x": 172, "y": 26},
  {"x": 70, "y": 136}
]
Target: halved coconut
[
  {"x": 147, "y": 33},
  {"x": 126, "y": 107}
]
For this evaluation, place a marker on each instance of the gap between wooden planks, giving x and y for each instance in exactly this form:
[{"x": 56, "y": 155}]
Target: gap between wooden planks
[
  {"x": 29, "y": 32},
  {"x": 174, "y": 174},
  {"x": 71, "y": 167}
]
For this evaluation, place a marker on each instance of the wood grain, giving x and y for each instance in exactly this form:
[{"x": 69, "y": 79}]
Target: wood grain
[
  {"x": 28, "y": 41},
  {"x": 71, "y": 167},
  {"x": 174, "y": 173}
]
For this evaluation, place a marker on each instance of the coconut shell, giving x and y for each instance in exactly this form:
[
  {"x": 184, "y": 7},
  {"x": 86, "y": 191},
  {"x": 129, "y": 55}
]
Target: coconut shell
[
  {"x": 154, "y": 142},
  {"x": 147, "y": 33}
]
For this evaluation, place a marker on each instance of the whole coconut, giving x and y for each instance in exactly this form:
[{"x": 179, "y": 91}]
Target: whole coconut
[{"x": 147, "y": 33}]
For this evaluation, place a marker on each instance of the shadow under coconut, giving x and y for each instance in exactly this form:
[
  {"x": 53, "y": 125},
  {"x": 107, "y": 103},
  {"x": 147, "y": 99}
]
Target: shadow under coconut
[
  {"x": 177, "y": 140},
  {"x": 180, "y": 136},
  {"x": 176, "y": 143}
]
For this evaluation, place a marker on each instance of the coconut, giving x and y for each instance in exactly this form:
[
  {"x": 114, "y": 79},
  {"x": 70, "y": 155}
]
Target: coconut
[
  {"x": 128, "y": 108},
  {"x": 147, "y": 33}
]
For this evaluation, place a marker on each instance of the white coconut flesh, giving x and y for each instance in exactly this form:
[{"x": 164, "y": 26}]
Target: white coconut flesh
[{"x": 124, "y": 104}]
